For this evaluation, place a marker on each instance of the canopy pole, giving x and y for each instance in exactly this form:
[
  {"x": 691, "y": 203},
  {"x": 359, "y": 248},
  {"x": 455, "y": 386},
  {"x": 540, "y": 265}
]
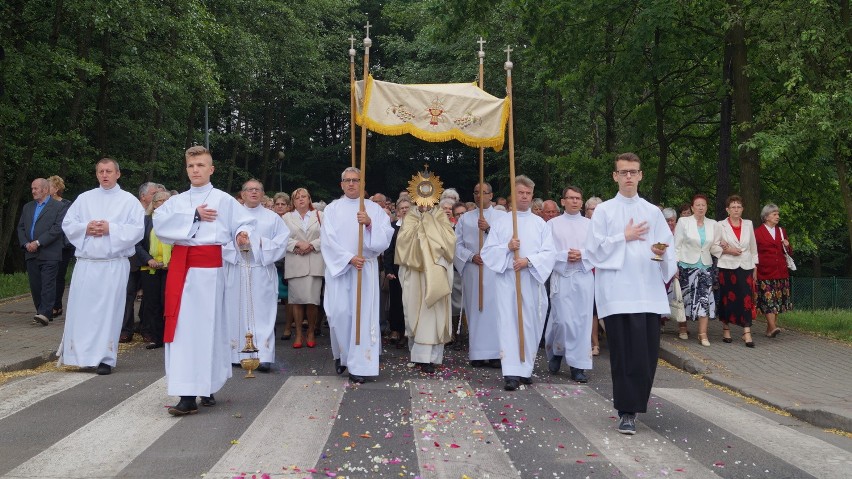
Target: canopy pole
[
  {"x": 508, "y": 67},
  {"x": 481, "y": 54},
  {"x": 352, "y": 105},
  {"x": 367, "y": 43}
]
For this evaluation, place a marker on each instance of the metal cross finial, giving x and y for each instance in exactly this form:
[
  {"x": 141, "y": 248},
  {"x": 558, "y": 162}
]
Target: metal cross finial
[
  {"x": 481, "y": 42},
  {"x": 367, "y": 26},
  {"x": 508, "y": 51},
  {"x": 351, "y": 41}
]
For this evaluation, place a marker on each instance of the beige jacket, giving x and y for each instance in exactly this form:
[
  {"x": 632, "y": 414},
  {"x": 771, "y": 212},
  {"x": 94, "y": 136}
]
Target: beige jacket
[
  {"x": 295, "y": 265},
  {"x": 746, "y": 243},
  {"x": 688, "y": 244}
]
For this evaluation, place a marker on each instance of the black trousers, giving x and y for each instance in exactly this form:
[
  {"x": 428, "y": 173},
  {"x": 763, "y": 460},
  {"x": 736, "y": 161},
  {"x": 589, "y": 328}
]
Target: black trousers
[
  {"x": 396, "y": 315},
  {"x": 634, "y": 346},
  {"x": 67, "y": 255},
  {"x": 42, "y": 277},
  {"x": 153, "y": 322},
  {"x": 132, "y": 286}
]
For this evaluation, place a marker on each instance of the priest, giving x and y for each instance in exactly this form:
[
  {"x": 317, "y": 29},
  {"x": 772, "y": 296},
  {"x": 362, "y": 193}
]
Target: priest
[
  {"x": 537, "y": 255},
  {"x": 197, "y": 341},
  {"x": 339, "y": 239},
  {"x": 424, "y": 252},
  {"x": 104, "y": 224},
  {"x": 252, "y": 302}
]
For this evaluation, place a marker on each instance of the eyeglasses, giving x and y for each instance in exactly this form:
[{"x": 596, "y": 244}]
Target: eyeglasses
[
  {"x": 253, "y": 190},
  {"x": 624, "y": 173},
  {"x": 351, "y": 180}
]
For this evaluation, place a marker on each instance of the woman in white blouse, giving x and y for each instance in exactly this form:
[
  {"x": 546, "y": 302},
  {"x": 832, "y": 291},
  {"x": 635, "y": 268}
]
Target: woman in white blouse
[
  {"x": 737, "y": 262},
  {"x": 694, "y": 244},
  {"x": 303, "y": 265}
]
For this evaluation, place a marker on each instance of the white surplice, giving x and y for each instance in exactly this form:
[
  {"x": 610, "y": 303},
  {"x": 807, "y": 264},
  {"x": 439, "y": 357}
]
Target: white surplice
[
  {"x": 484, "y": 340},
  {"x": 198, "y": 361},
  {"x": 339, "y": 239},
  {"x": 537, "y": 246},
  {"x": 627, "y": 280},
  {"x": 99, "y": 282},
  {"x": 572, "y": 295},
  {"x": 251, "y": 280}
]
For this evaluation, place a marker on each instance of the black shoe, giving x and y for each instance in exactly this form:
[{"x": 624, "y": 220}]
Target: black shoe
[
  {"x": 512, "y": 383},
  {"x": 153, "y": 345},
  {"x": 495, "y": 363},
  {"x": 627, "y": 424},
  {"x": 125, "y": 338},
  {"x": 186, "y": 406},
  {"x": 579, "y": 376},
  {"x": 427, "y": 368},
  {"x": 208, "y": 401},
  {"x": 338, "y": 367},
  {"x": 103, "y": 369},
  {"x": 356, "y": 379},
  {"x": 479, "y": 363},
  {"x": 554, "y": 363},
  {"x": 285, "y": 337},
  {"x": 264, "y": 367},
  {"x": 526, "y": 381}
]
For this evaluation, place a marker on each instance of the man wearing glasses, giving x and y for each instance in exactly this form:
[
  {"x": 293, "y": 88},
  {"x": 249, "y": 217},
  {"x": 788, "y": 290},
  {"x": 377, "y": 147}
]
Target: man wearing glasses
[
  {"x": 625, "y": 237},
  {"x": 339, "y": 239}
]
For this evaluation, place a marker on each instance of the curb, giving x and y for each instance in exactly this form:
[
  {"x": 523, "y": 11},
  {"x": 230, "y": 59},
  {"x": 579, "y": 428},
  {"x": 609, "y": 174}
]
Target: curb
[{"x": 30, "y": 363}]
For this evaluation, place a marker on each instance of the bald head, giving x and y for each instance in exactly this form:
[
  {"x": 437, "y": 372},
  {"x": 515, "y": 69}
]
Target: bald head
[{"x": 549, "y": 210}]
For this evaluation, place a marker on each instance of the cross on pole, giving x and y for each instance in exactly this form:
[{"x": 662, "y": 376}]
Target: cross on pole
[
  {"x": 351, "y": 41},
  {"x": 481, "y": 42},
  {"x": 508, "y": 51},
  {"x": 367, "y": 26}
]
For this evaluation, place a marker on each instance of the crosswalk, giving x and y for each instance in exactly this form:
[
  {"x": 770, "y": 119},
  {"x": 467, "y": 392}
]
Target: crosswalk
[{"x": 320, "y": 426}]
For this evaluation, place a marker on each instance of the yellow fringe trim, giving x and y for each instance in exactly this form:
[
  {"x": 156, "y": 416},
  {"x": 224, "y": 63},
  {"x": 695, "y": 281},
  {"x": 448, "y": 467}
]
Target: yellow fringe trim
[{"x": 495, "y": 142}]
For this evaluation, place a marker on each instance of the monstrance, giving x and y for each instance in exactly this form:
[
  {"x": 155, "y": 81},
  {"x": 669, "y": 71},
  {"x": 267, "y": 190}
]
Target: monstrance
[{"x": 425, "y": 188}]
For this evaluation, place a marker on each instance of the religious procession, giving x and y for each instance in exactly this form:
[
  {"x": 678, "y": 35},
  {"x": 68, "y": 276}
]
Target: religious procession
[{"x": 506, "y": 279}]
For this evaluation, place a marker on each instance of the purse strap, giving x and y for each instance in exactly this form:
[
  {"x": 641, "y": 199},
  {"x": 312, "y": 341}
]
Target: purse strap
[{"x": 782, "y": 241}]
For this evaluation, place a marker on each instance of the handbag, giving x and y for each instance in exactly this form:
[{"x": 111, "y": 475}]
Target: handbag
[
  {"x": 676, "y": 303},
  {"x": 791, "y": 265}
]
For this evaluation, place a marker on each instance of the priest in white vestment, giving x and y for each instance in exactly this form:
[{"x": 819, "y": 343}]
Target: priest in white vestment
[
  {"x": 572, "y": 291},
  {"x": 198, "y": 223},
  {"x": 535, "y": 263},
  {"x": 631, "y": 272},
  {"x": 483, "y": 339},
  {"x": 424, "y": 253},
  {"x": 251, "y": 280},
  {"x": 339, "y": 239},
  {"x": 104, "y": 224}
]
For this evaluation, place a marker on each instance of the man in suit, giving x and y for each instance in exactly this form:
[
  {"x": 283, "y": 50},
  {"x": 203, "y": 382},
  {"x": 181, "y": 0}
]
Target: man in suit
[{"x": 40, "y": 235}]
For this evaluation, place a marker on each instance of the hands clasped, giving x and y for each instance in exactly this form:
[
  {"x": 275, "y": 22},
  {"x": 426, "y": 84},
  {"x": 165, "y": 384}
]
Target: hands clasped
[{"x": 97, "y": 228}]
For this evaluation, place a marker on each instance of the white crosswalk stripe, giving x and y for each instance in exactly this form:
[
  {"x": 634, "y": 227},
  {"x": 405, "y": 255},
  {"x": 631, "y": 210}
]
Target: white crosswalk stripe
[
  {"x": 291, "y": 430},
  {"x": 130, "y": 427},
  {"x": 811, "y": 455},
  {"x": 23, "y": 393}
]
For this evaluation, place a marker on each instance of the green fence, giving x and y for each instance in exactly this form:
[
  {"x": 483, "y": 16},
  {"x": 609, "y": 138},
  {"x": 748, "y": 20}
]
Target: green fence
[{"x": 822, "y": 293}]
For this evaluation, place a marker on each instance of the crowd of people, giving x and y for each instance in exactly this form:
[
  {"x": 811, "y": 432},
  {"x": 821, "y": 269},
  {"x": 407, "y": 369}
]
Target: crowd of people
[{"x": 212, "y": 268}]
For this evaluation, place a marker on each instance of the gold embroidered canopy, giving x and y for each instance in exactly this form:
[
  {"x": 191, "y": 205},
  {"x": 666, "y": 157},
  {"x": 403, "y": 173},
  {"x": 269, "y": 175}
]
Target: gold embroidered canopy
[{"x": 433, "y": 112}]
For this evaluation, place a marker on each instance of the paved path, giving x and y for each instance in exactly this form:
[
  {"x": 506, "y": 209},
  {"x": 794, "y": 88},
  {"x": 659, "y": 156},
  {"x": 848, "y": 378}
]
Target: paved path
[{"x": 802, "y": 374}]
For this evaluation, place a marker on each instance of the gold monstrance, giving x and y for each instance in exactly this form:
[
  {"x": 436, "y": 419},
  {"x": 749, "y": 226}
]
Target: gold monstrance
[{"x": 425, "y": 188}]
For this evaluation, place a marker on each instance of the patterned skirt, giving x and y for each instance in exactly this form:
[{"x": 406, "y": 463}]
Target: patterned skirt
[
  {"x": 736, "y": 288},
  {"x": 697, "y": 289},
  {"x": 773, "y": 295}
]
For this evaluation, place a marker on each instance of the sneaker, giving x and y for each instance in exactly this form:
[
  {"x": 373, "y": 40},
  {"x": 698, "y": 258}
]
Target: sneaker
[
  {"x": 627, "y": 424},
  {"x": 554, "y": 364},
  {"x": 40, "y": 319}
]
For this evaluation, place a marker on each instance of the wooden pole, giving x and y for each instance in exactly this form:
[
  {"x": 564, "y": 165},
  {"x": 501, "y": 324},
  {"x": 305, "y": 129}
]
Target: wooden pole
[
  {"x": 352, "y": 105},
  {"x": 481, "y": 171},
  {"x": 508, "y": 67},
  {"x": 367, "y": 43}
]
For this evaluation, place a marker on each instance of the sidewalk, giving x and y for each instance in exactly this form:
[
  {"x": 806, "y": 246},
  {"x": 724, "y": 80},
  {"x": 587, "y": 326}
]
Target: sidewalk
[{"x": 804, "y": 375}]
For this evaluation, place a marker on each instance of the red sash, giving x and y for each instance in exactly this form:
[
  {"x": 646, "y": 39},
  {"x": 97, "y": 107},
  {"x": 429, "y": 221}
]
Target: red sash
[{"x": 183, "y": 258}]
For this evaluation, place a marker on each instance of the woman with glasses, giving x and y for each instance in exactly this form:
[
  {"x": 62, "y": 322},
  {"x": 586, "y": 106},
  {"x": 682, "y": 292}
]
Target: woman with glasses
[{"x": 737, "y": 272}]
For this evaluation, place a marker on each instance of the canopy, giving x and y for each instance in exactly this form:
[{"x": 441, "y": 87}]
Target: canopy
[{"x": 433, "y": 112}]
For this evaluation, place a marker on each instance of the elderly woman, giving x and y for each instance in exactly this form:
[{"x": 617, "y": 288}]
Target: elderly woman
[
  {"x": 590, "y": 206},
  {"x": 155, "y": 255},
  {"x": 737, "y": 262},
  {"x": 694, "y": 247},
  {"x": 281, "y": 204},
  {"x": 773, "y": 278},
  {"x": 303, "y": 265},
  {"x": 537, "y": 206},
  {"x": 396, "y": 314},
  {"x": 57, "y": 187}
]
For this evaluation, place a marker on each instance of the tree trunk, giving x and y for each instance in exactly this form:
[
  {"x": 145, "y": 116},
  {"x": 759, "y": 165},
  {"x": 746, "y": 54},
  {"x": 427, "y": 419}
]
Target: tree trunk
[
  {"x": 75, "y": 109},
  {"x": 749, "y": 158},
  {"x": 723, "y": 175}
]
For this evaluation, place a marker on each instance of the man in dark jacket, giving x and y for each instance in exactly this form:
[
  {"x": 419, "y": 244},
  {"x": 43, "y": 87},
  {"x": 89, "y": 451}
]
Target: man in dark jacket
[{"x": 40, "y": 235}]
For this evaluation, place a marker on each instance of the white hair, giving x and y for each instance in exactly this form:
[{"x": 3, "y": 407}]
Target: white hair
[{"x": 451, "y": 193}]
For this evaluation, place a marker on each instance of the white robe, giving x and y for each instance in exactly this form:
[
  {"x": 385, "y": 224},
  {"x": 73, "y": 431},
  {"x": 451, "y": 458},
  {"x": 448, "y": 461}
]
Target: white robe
[
  {"x": 339, "y": 239},
  {"x": 484, "y": 340},
  {"x": 572, "y": 295},
  {"x": 537, "y": 246},
  {"x": 198, "y": 360},
  {"x": 259, "y": 276},
  {"x": 627, "y": 280},
  {"x": 98, "y": 284}
]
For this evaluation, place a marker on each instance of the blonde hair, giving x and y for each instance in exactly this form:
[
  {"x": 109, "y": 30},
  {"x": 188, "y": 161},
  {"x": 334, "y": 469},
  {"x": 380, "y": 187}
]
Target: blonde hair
[{"x": 58, "y": 183}]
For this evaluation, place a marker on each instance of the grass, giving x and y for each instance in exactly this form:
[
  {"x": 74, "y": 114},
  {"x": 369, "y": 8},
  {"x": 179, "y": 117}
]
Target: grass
[
  {"x": 13, "y": 285},
  {"x": 832, "y": 323}
]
